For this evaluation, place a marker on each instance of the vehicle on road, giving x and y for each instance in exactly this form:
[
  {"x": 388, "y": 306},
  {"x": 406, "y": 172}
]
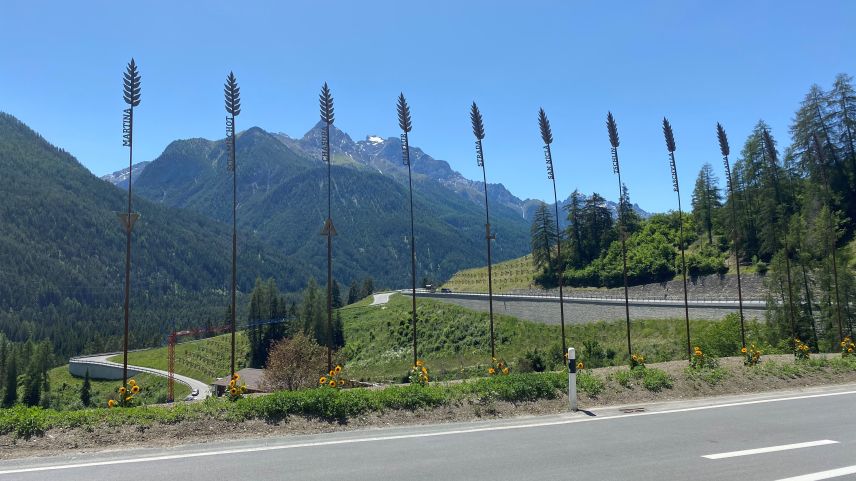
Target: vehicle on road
[
  {"x": 194, "y": 393},
  {"x": 446, "y": 290}
]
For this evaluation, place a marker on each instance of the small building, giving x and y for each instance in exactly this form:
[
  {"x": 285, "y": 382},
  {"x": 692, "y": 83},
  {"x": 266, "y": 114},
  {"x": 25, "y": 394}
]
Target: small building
[{"x": 253, "y": 378}]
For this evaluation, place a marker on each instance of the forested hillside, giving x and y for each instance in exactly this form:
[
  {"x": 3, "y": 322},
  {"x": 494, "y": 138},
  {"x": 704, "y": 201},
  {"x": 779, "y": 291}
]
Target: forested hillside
[{"x": 62, "y": 254}]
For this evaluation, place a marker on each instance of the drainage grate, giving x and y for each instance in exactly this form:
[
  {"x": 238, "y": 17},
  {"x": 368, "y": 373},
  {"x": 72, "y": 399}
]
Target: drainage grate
[{"x": 633, "y": 410}]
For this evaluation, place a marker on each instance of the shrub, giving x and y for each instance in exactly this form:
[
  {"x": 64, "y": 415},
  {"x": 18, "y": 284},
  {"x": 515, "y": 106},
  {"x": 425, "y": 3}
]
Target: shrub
[
  {"x": 656, "y": 380},
  {"x": 589, "y": 383},
  {"x": 700, "y": 361},
  {"x": 294, "y": 363},
  {"x": 533, "y": 360},
  {"x": 711, "y": 376}
]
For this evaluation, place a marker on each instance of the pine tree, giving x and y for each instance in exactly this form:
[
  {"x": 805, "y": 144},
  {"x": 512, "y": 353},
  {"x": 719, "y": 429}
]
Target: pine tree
[
  {"x": 543, "y": 238},
  {"x": 597, "y": 228},
  {"x": 368, "y": 287},
  {"x": 574, "y": 230},
  {"x": 86, "y": 391},
  {"x": 706, "y": 202},
  {"x": 353, "y": 292},
  {"x": 10, "y": 391},
  {"x": 338, "y": 332},
  {"x": 337, "y": 295},
  {"x": 632, "y": 221}
]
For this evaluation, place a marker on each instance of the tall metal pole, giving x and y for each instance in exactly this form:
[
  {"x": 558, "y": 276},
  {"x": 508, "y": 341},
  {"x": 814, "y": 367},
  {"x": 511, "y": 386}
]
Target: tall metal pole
[
  {"x": 612, "y": 128},
  {"x": 478, "y": 131},
  {"x": 132, "y": 98},
  {"x": 670, "y": 146},
  {"x": 233, "y": 107},
  {"x": 726, "y": 150},
  {"x": 406, "y": 125},
  {"x": 547, "y": 137},
  {"x": 326, "y": 100}
]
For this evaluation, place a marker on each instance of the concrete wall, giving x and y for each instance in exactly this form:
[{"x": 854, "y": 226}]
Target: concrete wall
[
  {"x": 546, "y": 310},
  {"x": 97, "y": 370}
]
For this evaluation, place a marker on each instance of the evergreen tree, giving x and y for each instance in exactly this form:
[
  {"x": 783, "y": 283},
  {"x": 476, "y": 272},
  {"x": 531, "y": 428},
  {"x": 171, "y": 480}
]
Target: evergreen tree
[
  {"x": 706, "y": 202},
  {"x": 574, "y": 231},
  {"x": 353, "y": 292},
  {"x": 337, "y": 295},
  {"x": 338, "y": 332},
  {"x": 10, "y": 391},
  {"x": 597, "y": 228},
  {"x": 543, "y": 238},
  {"x": 368, "y": 287},
  {"x": 632, "y": 220},
  {"x": 313, "y": 312},
  {"x": 86, "y": 391}
]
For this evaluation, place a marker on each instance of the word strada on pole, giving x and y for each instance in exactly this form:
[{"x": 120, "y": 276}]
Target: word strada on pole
[
  {"x": 131, "y": 95},
  {"x": 478, "y": 131},
  {"x": 233, "y": 108}
]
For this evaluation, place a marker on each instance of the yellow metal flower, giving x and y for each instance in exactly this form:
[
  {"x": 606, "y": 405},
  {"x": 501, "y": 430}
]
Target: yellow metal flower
[
  {"x": 122, "y": 390},
  {"x": 111, "y": 403},
  {"x": 743, "y": 350},
  {"x": 243, "y": 388},
  {"x": 338, "y": 369},
  {"x": 132, "y": 382},
  {"x": 505, "y": 371},
  {"x": 323, "y": 380},
  {"x": 129, "y": 398},
  {"x": 424, "y": 371},
  {"x": 135, "y": 389},
  {"x": 332, "y": 383},
  {"x": 233, "y": 391},
  {"x": 332, "y": 373},
  {"x": 236, "y": 376},
  {"x": 232, "y": 383},
  {"x": 849, "y": 349},
  {"x": 420, "y": 363},
  {"x": 581, "y": 365},
  {"x": 491, "y": 371}
]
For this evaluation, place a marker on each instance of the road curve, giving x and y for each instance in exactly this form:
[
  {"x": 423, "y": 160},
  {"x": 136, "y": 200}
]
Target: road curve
[{"x": 101, "y": 360}]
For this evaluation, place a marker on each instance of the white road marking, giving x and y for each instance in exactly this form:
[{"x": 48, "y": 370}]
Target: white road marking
[
  {"x": 406, "y": 436},
  {"x": 770, "y": 449},
  {"x": 832, "y": 473}
]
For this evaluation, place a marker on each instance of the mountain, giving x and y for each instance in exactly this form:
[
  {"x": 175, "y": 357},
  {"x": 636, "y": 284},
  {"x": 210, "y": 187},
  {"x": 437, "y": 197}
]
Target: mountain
[
  {"x": 282, "y": 199},
  {"x": 62, "y": 252},
  {"x": 120, "y": 177},
  {"x": 531, "y": 205}
]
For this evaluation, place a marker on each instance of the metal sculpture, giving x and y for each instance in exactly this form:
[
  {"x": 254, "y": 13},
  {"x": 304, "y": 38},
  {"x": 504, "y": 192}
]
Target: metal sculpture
[
  {"x": 233, "y": 108},
  {"x": 612, "y": 128},
  {"x": 726, "y": 150},
  {"x": 132, "y": 98},
  {"x": 670, "y": 146},
  {"x": 326, "y": 100},
  {"x": 478, "y": 131},
  {"x": 547, "y": 137},
  {"x": 406, "y": 125}
]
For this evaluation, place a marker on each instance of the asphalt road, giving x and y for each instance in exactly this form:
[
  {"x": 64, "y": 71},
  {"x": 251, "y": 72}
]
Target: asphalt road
[
  {"x": 203, "y": 388},
  {"x": 800, "y": 436}
]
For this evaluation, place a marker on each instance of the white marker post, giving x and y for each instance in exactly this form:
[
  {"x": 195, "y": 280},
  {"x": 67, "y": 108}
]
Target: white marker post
[{"x": 572, "y": 378}]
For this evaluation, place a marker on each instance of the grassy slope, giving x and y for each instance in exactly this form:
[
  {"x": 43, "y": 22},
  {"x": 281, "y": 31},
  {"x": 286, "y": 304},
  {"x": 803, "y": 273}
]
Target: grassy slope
[
  {"x": 205, "y": 359},
  {"x": 514, "y": 274},
  {"x": 65, "y": 389},
  {"x": 454, "y": 341}
]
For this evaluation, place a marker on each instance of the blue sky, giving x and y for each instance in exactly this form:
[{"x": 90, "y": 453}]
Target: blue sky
[{"x": 697, "y": 62}]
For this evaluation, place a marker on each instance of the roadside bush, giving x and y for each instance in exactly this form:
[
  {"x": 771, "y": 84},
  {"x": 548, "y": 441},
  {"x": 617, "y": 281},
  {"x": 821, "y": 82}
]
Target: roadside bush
[
  {"x": 700, "y": 361},
  {"x": 711, "y": 376},
  {"x": 752, "y": 355},
  {"x": 656, "y": 380},
  {"x": 589, "y": 383},
  {"x": 720, "y": 339},
  {"x": 533, "y": 360},
  {"x": 294, "y": 364}
]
